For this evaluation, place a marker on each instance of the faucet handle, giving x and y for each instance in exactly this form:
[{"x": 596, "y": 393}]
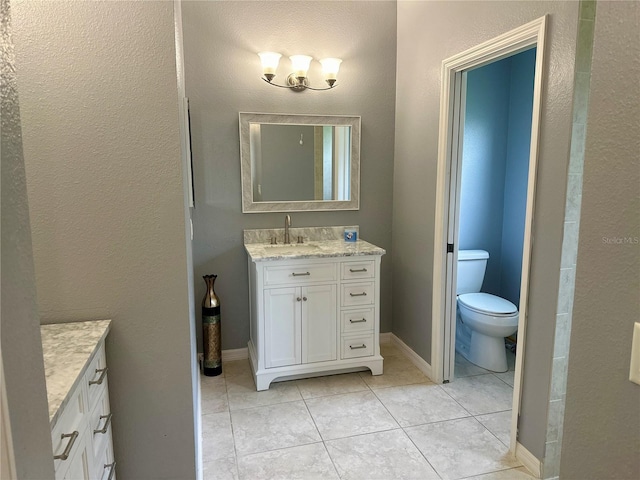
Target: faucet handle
[
  {"x": 300, "y": 239},
  {"x": 273, "y": 240}
]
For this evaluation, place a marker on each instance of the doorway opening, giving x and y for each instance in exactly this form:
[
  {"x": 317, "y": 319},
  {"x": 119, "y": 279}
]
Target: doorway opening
[{"x": 489, "y": 185}]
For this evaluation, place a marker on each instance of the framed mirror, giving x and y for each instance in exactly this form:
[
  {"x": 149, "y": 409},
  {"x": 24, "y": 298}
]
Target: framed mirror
[{"x": 294, "y": 163}]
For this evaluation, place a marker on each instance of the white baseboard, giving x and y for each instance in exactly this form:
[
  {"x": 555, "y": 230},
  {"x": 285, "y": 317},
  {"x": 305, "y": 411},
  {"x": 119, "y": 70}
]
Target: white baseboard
[
  {"x": 385, "y": 337},
  {"x": 529, "y": 461},
  {"x": 416, "y": 359},
  {"x": 236, "y": 354}
]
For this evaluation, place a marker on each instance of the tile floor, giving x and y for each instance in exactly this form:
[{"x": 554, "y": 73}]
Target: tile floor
[{"x": 356, "y": 426}]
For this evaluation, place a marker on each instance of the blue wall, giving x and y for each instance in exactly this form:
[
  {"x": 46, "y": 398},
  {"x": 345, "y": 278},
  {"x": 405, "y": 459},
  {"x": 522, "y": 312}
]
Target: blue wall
[
  {"x": 494, "y": 168},
  {"x": 516, "y": 174}
]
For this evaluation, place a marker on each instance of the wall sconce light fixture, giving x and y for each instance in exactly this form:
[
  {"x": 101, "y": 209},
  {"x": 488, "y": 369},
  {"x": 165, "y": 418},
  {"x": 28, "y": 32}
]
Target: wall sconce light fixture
[{"x": 298, "y": 80}]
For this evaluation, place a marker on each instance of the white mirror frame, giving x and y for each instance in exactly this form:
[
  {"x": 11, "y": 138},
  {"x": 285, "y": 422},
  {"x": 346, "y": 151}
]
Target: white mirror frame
[{"x": 249, "y": 206}]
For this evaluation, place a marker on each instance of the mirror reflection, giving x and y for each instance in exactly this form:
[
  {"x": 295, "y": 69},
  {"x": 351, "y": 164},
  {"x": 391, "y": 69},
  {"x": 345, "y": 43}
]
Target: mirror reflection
[{"x": 299, "y": 162}]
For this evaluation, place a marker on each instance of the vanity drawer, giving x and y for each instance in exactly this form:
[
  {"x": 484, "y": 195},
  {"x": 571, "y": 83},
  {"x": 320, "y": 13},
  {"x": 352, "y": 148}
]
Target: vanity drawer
[
  {"x": 71, "y": 425},
  {"x": 96, "y": 376},
  {"x": 357, "y": 346},
  {"x": 357, "y": 294},
  {"x": 100, "y": 422},
  {"x": 354, "y": 321},
  {"x": 105, "y": 465},
  {"x": 357, "y": 270},
  {"x": 297, "y": 274}
]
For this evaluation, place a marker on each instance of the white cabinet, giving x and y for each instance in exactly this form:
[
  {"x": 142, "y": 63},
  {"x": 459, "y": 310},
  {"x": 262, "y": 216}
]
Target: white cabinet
[
  {"x": 314, "y": 316},
  {"x": 81, "y": 437}
]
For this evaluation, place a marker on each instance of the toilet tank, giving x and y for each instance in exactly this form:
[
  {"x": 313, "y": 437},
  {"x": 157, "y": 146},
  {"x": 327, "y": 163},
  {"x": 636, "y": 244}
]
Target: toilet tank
[{"x": 471, "y": 267}]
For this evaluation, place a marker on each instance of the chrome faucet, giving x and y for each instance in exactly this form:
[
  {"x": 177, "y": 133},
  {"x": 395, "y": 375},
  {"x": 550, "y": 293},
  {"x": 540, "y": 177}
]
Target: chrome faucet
[{"x": 287, "y": 224}]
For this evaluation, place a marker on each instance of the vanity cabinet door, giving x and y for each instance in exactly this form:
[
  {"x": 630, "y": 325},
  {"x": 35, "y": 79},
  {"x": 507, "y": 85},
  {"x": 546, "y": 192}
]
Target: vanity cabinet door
[
  {"x": 319, "y": 323},
  {"x": 283, "y": 322}
]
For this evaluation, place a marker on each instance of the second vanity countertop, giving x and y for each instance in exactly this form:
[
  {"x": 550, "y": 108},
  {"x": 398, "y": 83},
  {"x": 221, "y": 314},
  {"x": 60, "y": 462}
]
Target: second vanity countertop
[{"x": 68, "y": 348}]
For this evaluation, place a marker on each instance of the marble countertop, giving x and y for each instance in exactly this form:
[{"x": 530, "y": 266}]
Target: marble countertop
[
  {"x": 68, "y": 348},
  {"x": 262, "y": 252}
]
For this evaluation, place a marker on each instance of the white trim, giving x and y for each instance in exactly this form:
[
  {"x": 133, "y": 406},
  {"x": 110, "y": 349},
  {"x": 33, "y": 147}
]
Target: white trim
[
  {"x": 385, "y": 337},
  {"x": 235, "y": 354},
  {"x": 510, "y": 43},
  {"x": 528, "y": 459},
  {"x": 416, "y": 359}
]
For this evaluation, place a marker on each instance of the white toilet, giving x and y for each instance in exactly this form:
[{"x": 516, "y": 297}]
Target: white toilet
[{"x": 482, "y": 320}]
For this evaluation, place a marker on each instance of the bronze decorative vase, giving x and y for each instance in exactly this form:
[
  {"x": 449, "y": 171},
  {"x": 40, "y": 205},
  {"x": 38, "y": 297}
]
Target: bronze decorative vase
[{"x": 211, "y": 340}]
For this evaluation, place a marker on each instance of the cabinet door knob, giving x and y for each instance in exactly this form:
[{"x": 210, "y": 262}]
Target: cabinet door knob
[
  {"x": 304, "y": 298},
  {"x": 298, "y": 299},
  {"x": 72, "y": 439}
]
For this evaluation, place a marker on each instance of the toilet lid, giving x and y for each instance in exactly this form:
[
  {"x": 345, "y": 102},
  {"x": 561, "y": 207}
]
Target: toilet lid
[{"x": 487, "y": 303}]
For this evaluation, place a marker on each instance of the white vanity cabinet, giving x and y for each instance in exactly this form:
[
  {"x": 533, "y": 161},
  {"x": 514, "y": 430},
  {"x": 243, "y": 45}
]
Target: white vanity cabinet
[
  {"x": 78, "y": 391},
  {"x": 314, "y": 316}
]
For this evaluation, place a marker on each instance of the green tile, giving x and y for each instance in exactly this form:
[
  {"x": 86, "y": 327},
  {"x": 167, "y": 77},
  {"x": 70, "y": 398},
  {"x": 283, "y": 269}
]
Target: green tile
[
  {"x": 588, "y": 9},
  {"x": 584, "y": 49}
]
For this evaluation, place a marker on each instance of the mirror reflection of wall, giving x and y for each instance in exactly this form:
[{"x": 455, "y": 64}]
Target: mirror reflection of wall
[{"x": 300, "y": 162}]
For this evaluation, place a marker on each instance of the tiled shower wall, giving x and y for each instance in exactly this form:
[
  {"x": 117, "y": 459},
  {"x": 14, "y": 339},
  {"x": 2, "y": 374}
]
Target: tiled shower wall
[{"x": 551, "y": 465}]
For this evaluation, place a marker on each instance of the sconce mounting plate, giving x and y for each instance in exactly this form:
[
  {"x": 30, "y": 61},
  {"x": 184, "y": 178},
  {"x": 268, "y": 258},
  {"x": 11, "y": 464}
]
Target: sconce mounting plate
[{"x": 295, "y": 84}]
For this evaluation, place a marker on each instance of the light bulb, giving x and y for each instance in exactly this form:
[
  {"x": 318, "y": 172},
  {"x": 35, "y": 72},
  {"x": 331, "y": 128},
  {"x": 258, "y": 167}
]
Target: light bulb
[
  {"x": 270, "y": 62},
  {"x": 300, "y": 64},
  {"x": 330, "y": 67}
]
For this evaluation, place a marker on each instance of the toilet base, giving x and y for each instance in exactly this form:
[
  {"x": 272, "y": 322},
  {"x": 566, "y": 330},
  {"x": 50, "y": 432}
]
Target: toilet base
[{"x": 487, "y": 352}]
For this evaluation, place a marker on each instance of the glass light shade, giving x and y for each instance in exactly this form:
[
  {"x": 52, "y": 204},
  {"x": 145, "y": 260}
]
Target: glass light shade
[
  {"x": 300, "y": 64},
  {"x": 330, "y": 67},
  {"x": 270, "y": 62}
]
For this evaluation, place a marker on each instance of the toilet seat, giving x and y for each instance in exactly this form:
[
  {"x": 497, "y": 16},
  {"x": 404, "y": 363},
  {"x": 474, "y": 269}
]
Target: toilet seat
[{"x": 487, "y": 304}]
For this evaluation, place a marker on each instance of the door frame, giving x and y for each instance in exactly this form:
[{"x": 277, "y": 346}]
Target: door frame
[{"x": 505, "y": 45}]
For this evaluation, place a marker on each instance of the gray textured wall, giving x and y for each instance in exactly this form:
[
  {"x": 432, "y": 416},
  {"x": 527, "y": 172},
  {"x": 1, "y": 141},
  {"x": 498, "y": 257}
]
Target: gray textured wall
[
  {"x": 602, "y": 419},
  {"x": 421, "y": 51},
  {"x": 97, "y": 82},
  {"x": 223, "y": 72},
  {"x": 23, "y": 382}
]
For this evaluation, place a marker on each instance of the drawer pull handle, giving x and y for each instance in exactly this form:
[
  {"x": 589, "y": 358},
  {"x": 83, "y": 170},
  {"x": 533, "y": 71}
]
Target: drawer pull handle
[
  {"x": 357, "y": 346},
  {"x": 106, "y": 424},
  {"x": 352, "y": 270},
  {"x": 357, "y": 321},
  {"x": 72, "y": 439},
  {"x": 305, "y": 274},
  {"x": 103, "y": 373},
  {"x": 363, "y": 294},
  {"x": 112, "y": 466}
]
